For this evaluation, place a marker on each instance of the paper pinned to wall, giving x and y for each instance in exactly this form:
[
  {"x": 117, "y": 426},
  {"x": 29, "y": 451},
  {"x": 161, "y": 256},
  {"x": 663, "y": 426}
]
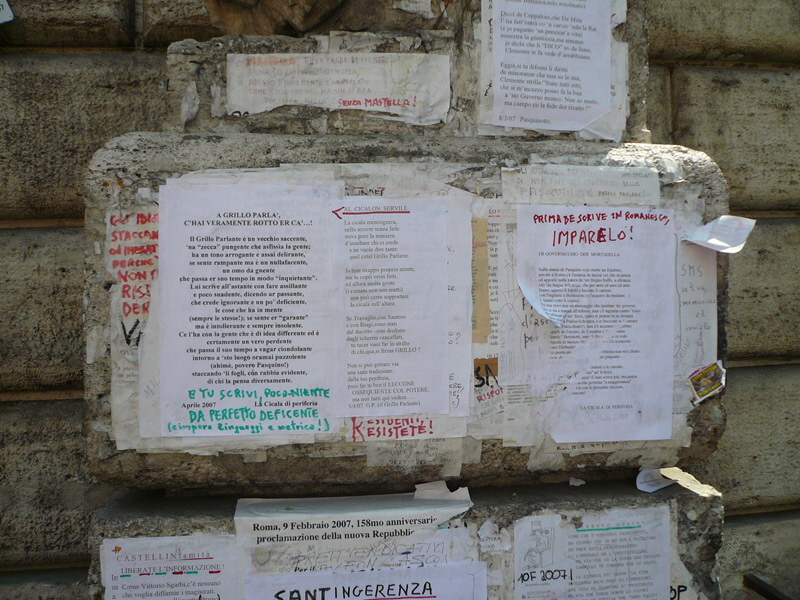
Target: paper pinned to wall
[
  {"x": 724, "y": 234},
  {"x": 438, "y": 490},
  {"x": 457, "y": 581},
  {"x": 191, "y": 566},
  {"x": 480, "y": 281},
  {"x": 5, "y": 12},
  {"x": 245, "y": 343},
  {"x": 611, "y": 125},
  {"x": 410, "y": 427},
  {"x": 606, "y": 276},
  {"x": 552, "y": 64},
  {"x": 564, "y": 548},
  {"x": 408, "y": 455},
  {"x": 395, "y": 291},
  {"x": 414, "y": 88},
  {"x": 352, "y": 533},
  {"x": 493, "y": 540},
  {"x": 652, "y": 480}
]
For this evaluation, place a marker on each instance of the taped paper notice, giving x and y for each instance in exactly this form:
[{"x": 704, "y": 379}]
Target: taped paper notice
[
  {"x": 464, "y": 581},
  {"x": 409, "y": 455},
  {"x": 366, "y": 429},
  {"x": 494, "y": 540},
  {"x": 557, "y": 557},
  {"x": 190, "y": 566},
  {"x": 5, "y": 12},
  {"x": 708, "y": 381},
  {"x": 724, "y": 234},
  {"x": 489, "y": 394},
  {"x": 438, "y": 490},
  {"x": 352, "y": 533},
  {"x": 395, "y": 293},
  {"x": 414, "y": 88},
  {"x": 652, "y": 480},
  {"x": 235, "y": 287},
  {"x": 552, "y": 63},
  {"x": 606, "y": 277}
]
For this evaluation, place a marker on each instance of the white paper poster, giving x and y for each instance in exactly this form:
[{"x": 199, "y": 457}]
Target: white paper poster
[
  {"x": 395, "y": 293},
  {"x": 605, "y": 278},
  {"x": 552, "y": 63},
  {"x": 458, "y": 581},
  {"x": 191, "y": 567},
  {"x": 246, "y": 343},
  {"x": 355, "y": 533},
  {"x": 414, "y": 88},
  {"x": 619, "y": 553}
]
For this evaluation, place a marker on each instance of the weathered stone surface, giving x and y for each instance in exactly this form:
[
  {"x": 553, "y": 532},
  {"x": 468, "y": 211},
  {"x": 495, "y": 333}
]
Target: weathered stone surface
[
  {"x": 695, "y": 514},
  {"x": 46, "y": 496},
  {"x": 764, "y": 292},
  {"x": 146, "y": 160},
  {"x": 764, "y": 545},
  {"x": 746, "y": 121},
  {"x": 41, "y": 344},
  {"x": 755, "y": 465},
  {"x": 170, "y": 21},
  {"x": 70, "y": 24},
  {"x": 197, "y": 74},
  {"x": 269, "y": 18},
  {"x": 57, "y": 109},
  {"x": 731, "y": 30},
  {"x": 659, "y": 106},
  {"x": 167, "y": 22},
  {"x": 62, "y": 584}
]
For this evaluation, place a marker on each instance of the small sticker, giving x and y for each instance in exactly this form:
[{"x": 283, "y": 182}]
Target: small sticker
[{"x": 707, "y": 381}]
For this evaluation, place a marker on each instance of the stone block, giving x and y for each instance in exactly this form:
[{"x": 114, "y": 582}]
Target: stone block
[
  {"x": 71, "y": 24},
  {"x": 40, "y": 289},
  {"x": 60, "y": 584},
  {"x": 57, "y": 109},
  {"x": 746, "y": 120},
  {"x": 695, "y": 522},
  {"x": 755, "y": 466},
  {"x": 138, "y": 161},
  {"x": 46, "y": 496},
  {"x": 764, "y": 295},
  {"x": 659, "y": 106},
  {"x": 764, "y": 545},
  {"x": 198, "y": 84},
  {"x": 731, "y": 30},
  {"x": 167, "y": 22}
]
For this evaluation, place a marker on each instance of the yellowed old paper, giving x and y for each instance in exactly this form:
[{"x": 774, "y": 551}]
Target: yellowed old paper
[{"x": 480, "y": 282}]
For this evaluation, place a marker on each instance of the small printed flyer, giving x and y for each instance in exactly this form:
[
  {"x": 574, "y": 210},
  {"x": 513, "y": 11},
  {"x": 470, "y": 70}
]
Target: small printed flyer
[{"x": 196, "y": 567}]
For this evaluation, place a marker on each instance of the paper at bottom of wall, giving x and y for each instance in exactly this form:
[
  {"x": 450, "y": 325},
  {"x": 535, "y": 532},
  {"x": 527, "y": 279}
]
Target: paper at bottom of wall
[
  {"x": 192, "y": 565},
  {"x": 454, "y": 581}
]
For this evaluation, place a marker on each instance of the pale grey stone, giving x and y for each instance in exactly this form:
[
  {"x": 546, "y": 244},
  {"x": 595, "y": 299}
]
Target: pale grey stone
[
  {"x": 745, "y": 120},
  {"x": 755, "y": 466},
  {"x": 730, "y": 30}
]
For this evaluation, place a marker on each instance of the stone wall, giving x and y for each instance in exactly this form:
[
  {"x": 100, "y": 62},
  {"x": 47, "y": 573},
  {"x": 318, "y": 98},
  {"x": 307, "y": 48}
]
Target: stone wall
[{"x": 723, "y": 80}]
